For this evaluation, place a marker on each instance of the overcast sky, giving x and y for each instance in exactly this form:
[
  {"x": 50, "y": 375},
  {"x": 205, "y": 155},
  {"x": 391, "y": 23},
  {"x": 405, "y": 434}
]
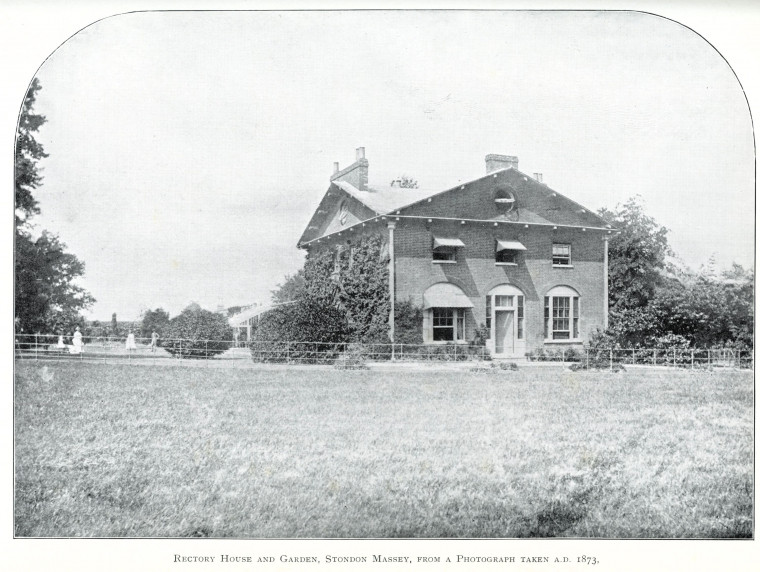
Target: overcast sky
[{"x": 189, "y": 150}]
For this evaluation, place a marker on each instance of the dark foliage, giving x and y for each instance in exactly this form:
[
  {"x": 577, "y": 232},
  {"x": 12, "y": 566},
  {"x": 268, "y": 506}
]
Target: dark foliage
[
  {"x": 28, "y": 153},
  {"x": 154, "y": 321},
  {"x": 46, "y": 297},
  {"x": 197, "y": 333}
]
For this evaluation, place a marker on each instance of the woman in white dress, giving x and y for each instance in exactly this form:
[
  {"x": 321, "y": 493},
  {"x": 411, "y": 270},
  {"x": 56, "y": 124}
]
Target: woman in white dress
[
  {"x": 78, "y": 345},
  {"x": 131, "y": 346}
]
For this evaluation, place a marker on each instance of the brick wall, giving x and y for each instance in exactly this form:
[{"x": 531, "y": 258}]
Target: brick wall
[{"x": 476, "y": 273}]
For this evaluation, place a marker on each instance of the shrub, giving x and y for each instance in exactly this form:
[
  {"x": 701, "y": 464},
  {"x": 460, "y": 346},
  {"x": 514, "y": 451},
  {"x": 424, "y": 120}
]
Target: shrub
[
  {"x": 408, "y": 323},
  {"x": 197, "y": 333},
  {"x": 317, "y": 330}
]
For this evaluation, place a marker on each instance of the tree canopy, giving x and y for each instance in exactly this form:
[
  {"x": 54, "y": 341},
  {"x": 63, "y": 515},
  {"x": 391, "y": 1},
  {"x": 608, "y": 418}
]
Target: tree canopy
[
  {"x": 46, "y": 296},
  {"x": 154, "y": 321},
  {"x": 654, "y": 299},
  {"x": 636, "y": 255},
  {"x": 197, "y": 333},
  {"x": 28, "y": 153}
]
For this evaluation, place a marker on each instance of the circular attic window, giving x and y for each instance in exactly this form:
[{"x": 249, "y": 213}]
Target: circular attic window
[{"x": 504, "y": 198}]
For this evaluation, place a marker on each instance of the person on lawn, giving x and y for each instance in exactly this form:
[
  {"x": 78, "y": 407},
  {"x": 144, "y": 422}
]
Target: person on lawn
[
  {"x": 153, "y": 342},
  {"x": 131, "y": 346},
  {"x": 78, "y": 345}
]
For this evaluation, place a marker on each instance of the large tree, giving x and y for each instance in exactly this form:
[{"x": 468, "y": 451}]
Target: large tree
[
  {"x": 636, "y": 255},
  {"x": 652, "y": 299},
  {"x": 46, "y": 296},
  {"x": 28, "y": 154}
]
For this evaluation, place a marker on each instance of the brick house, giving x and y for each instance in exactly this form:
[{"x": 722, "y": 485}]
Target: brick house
[{"x": 504, "y": 250}]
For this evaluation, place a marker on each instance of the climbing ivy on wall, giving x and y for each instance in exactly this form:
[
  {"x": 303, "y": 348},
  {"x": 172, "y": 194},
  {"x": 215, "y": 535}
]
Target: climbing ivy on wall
[{"x": 358, "y": 286}]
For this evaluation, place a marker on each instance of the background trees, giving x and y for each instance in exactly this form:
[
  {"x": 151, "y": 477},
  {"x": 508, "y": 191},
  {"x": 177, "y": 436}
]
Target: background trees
[
  {"x": 196, "y": 333},
  {"x": 653, "y": 298},
  {"x": 46, "y": 296},
  {"x": 154, "y": 321}
]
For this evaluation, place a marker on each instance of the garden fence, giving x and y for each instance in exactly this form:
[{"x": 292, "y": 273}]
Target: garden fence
[{"x": 223, "y": 353}]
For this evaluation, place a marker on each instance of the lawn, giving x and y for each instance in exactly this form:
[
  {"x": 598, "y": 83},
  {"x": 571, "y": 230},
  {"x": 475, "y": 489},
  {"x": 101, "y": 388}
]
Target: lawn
[{"x": 118, "y": 450}]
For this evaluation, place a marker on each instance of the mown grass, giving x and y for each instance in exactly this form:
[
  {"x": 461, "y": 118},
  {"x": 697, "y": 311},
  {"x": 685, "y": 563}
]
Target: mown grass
[{"x": 109, "y": 450}]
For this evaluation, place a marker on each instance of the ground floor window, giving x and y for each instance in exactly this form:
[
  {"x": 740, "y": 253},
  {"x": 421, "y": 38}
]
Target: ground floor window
[
  {"x": 561, "y": 314},
  {"x": 448, "y": 324}
]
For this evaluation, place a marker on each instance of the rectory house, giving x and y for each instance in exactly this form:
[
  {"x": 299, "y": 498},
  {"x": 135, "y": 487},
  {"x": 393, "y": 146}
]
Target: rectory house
[{"x": 504, "y": 250}]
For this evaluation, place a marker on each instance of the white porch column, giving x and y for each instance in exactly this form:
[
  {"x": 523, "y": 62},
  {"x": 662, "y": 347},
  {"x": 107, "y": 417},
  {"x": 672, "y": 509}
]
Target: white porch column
[
  {"x": 392, "y": 287},
  {"x": 606, "y": 282}
]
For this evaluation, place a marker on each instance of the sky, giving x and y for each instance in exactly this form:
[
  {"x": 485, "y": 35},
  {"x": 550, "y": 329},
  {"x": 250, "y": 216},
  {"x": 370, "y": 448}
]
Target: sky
[{"x": 188, "y": 151}]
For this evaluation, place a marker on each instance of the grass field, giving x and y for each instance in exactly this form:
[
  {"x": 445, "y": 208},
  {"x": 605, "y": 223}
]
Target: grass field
[{"x": 113, "y": 450}]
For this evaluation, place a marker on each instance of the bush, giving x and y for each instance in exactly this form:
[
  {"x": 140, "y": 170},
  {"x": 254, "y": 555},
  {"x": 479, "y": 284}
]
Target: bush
[
  {"x": 408, "y": 323},
  {"x": 197, "y": 333},
  {"x": 317, "y": 330}
]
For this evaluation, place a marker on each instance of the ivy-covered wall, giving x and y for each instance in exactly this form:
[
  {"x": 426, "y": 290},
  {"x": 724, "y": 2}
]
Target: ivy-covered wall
[{"x": 354, "y": 278}]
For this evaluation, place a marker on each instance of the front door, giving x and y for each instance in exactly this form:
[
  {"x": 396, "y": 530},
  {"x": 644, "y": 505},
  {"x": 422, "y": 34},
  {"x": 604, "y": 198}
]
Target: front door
[{"x": 504, "y": 332}]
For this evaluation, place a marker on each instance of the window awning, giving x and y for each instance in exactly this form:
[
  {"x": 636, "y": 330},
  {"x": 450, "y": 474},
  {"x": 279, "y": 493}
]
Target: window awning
[
  {"x": 452, "y": 242},
  {"x": 509, "y": 245},
  {"x": 445, "y": 295}
]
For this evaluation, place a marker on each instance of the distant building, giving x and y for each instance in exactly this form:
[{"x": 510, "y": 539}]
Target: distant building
[
  {"x": 244, "y": 323},
  {"x": 504, "y": 250}
]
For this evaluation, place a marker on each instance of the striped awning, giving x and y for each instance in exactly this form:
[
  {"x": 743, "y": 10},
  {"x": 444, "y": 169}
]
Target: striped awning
[
  {"x": 509, "y": 245},
  {"x": 445, "y": 295},
  {"x": 439, "y": 241}
]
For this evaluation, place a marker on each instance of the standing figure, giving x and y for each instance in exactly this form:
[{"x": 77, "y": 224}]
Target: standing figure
[
  {"x": 153, "y": 342},
  {"x": 131, "y": 346},
  {"x": 77, "y": 346},
  {"x": 61, "y": 346}
]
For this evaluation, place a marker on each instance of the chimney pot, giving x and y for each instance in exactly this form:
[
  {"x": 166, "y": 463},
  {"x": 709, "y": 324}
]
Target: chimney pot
[
  {"x": 359, "y": 153},
  {"x": 496, "y": 162},
  {"x": 539, "y": 177},
  {"x": 336, "y": 167}
]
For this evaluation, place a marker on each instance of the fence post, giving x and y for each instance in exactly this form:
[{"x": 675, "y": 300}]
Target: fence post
[
  {"x": 709, "y": 362},
  {"x": 674, "y": 357},
  {"x": 393, "y": 351},
  {"x": 563, "y": 356},
  {"x": 633, "y": 356},
  {"x": 654, "y": 356},
  {"x": 287, "y": 352},
  {"x": 180, "y": 349},
  {"x": 610, "y": 358},
  {"x": 692, "y": 359},
  {"x": 36, "y": 345}
]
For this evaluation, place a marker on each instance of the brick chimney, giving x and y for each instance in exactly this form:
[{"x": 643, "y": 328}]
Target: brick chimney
[
  {"x": 496, "y": 162},
  {"x": 356, "y": 174}
]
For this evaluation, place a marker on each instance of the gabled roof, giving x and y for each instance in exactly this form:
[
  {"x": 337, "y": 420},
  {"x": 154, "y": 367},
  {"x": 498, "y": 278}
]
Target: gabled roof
[{"x": 384, "y": 200}]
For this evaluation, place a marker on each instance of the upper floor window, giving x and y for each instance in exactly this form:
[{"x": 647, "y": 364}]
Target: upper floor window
[
  {"x": 445, "y": 249},
  {"x": 561, "y": 254},
  {"x": 507, "y": 251}
]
